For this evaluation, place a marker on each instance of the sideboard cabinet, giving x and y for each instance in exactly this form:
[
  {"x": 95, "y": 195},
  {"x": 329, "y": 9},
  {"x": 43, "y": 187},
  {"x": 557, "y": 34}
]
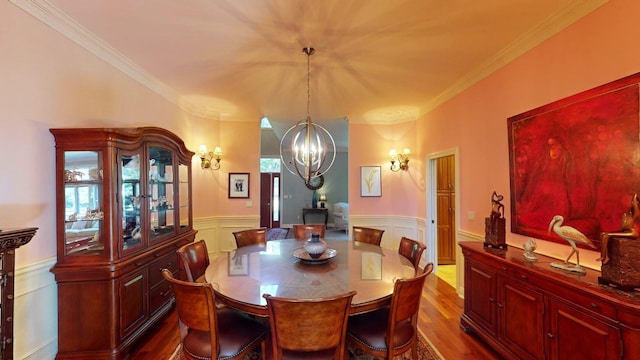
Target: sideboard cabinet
[
  {"x": 123, "y": 205},
  {"x": 528, "y": 310}
]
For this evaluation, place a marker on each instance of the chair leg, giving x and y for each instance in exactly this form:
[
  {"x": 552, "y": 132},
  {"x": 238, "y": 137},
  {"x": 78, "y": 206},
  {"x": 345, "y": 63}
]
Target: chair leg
[{"x": 414, "y": 350}]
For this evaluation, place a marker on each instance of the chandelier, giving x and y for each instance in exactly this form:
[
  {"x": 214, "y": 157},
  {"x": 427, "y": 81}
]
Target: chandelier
[{"x": 306, "y": 147}]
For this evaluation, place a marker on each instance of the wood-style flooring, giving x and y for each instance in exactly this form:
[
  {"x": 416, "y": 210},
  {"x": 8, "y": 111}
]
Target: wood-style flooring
[{"x": 439, "y": 320}]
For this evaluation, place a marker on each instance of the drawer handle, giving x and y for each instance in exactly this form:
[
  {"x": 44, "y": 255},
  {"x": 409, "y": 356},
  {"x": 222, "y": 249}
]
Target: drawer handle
[
  {"x": 138, "y": 263},
  {"x": 156, "y": 255},
  {"x": 500, "y": 305},
  {"x": 550, "y": 335},
  {"x": 492, "y": 299},
  {"x": 594, "y": 305},
  {"x": 524, "y": 277},
  {"x": 164, "y": 293},
  {"x": 504, "y": 268},
  {"x": 169, "y": 265}
]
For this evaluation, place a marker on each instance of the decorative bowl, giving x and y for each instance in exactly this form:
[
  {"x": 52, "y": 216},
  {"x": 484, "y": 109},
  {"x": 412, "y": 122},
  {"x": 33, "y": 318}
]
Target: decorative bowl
[{"x": 315, "y": 246}]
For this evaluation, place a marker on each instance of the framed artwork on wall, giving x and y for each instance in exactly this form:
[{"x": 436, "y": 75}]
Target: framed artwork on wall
[
  {"x": 578, "y": 158},
  {"x": 238, "y": 185},
  {"x": 370, "y": 181}
]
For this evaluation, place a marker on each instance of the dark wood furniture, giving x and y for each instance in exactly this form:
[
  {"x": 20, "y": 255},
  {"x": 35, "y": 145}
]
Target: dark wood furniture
[
  {"x": 304, "y": 232},
  {"x": 322, "y": 322},
  {"x": 391, "y": 331},
  {"x": 123, "y": 209},
  {"x": 195, "y": 259},
  {"x": 412, "y": 250},
  {"x": 367, "y": 235},
  {"x": 212, "y": 332},
  {"x": 529, "y": 310},
  {"x": 242, "y": 276},
  {"x": 250, "y": 237},
  {"x": 311, "y": 211},
  {"x": 10, "y": 240}
]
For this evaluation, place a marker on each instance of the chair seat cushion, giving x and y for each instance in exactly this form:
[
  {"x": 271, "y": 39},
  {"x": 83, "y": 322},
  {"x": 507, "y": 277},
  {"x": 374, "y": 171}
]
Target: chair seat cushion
[
  {"x": 370, "y": 329},
  {"x": 237, "y": 332}
]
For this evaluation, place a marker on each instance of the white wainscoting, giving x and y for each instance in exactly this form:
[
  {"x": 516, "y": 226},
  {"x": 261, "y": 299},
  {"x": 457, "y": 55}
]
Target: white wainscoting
[{"x": 35, "y": 329}]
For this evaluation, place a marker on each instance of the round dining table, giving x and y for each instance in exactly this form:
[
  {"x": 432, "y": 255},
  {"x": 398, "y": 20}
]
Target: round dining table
[{"x": 282, "y": 268}]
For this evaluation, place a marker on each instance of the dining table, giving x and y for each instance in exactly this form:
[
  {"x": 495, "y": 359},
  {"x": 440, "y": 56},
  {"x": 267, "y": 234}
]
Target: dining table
[{"x": 283, "y": 268}]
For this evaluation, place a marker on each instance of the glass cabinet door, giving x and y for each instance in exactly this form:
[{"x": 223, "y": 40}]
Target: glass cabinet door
[
  {"x": 84, "y": 214},
  {"x": 131, "y": 200},
  {"x": 183, "y": 176},
  {"x": 161, "y": 192}
]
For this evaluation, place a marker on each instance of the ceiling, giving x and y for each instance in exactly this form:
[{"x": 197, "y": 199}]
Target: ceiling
[{"x": 376, "y": 61}]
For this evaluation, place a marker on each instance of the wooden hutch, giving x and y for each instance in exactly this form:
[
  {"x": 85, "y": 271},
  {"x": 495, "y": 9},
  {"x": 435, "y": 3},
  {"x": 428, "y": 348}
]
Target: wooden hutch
[
  {"x": 528, "y": 310},
  {"x": 123, "y": 209}
]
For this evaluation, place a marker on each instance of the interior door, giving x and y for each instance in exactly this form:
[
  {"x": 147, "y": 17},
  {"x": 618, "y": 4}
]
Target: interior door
[
  {"x": 270, "y": 211},
  {"x": 446, "y": 195}
]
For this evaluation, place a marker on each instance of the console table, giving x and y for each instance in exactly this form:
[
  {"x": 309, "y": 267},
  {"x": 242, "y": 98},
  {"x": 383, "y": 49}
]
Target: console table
[
  {"x": 528, "y": 310},
  {"x": 10, "y": 239},
  {"x": 322, "y": 211}
]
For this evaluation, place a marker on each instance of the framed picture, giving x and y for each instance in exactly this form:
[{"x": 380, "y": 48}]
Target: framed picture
[
  {"x": 576, "y": 157},
  {"x": 370, "y": 181},
  {"x": 238, "y": 185},
  {"x": 238, "y": 264}
]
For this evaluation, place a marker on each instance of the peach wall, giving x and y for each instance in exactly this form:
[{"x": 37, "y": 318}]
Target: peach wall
[
  {"x": 369, "y": 145},
  {"x": 593, "y": 51},
  {"x": 49, "y": 81}
]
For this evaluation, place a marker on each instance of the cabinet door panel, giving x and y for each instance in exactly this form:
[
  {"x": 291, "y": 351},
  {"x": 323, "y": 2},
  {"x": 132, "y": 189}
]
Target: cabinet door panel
[
  {"x": 573, "y": 335},
  {"x": 480, "y": 295},
  {"x": 133, "y": 301},
  {"x": 521, "y": 318}
]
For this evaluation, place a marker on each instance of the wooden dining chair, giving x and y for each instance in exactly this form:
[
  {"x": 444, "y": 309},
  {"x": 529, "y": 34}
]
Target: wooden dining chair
[
  {"x": 195, "y": 259},
  {"x": 309, "y": 328},
  {"x": 367, "y": 235},
  {"x": 303, "y": 232},
  {"x": 392, "y": 330},
  {"x": 213, "y": 333},
  {"x": 412, "y": 250},
  {"x": 251, "y": 237}
]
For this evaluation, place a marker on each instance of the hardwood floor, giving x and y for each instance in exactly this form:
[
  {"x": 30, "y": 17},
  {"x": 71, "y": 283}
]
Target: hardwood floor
[{"x": 439, "y": 320}]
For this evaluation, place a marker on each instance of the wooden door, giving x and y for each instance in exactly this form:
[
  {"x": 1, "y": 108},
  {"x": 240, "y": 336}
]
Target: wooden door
[
  {"x": 445, "y": 193},
  {"x": 270, "y": 211}
]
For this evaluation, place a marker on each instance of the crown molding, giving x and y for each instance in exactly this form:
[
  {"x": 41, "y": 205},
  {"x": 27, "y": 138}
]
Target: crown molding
[
  {"x": 59, "y": 21},
  {"x": 534, "y": 37}
]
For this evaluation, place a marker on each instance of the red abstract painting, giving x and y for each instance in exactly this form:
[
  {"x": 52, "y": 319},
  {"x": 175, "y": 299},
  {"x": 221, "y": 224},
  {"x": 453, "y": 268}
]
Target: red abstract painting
[{"x": 578, "y": 157}]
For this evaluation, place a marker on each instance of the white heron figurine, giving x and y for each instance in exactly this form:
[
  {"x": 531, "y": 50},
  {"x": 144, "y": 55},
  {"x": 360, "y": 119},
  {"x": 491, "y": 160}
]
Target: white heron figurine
[{"x": 571, "y": 235}]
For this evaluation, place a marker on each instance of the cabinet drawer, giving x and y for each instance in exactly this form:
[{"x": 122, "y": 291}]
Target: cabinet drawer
[
  {"x": 592, "y": 304},
  {"x": 160, "y": 295},
  {"x": 169, "y": 261}
]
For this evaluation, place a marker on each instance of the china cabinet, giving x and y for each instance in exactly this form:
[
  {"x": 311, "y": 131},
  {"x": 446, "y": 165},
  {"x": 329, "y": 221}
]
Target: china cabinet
[
  {"x": 123, "y": 205},
  {"x": 526, "y": 309}
]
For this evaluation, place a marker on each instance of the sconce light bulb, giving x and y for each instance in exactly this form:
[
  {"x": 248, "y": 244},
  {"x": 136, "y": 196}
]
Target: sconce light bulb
[{"x": 406, "y": 151}]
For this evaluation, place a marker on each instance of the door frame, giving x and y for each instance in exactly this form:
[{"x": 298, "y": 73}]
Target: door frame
[{"x": 432, "y": 209}]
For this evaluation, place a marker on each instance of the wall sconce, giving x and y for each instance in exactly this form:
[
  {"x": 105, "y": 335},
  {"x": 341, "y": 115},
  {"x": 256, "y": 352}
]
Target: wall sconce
[
  {"x": 323, "y": 199},
  {"x": 207, "y": 157},
  {"x": 399, "y": 161}
]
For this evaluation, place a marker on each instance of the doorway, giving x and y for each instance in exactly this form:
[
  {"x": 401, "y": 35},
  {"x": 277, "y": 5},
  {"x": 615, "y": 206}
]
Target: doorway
[
  {"x": 270, "y": 212},
  {"x": 442, "y": 206}
]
